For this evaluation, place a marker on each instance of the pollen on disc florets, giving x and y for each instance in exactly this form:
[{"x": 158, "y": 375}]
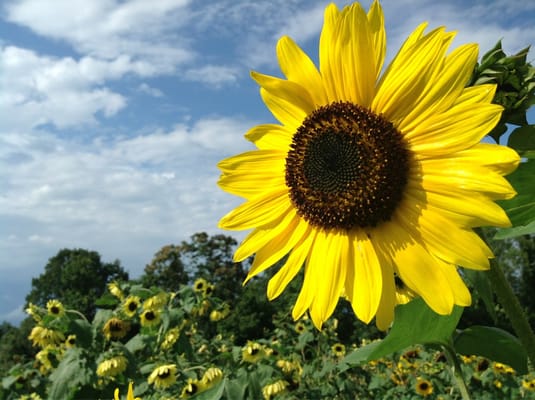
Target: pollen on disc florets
[{"x": 347, "y": 167}]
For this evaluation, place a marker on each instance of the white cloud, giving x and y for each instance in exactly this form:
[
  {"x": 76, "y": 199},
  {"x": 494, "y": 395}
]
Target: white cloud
[
  {"x": 151, "y": 91},
  {"x": 36, "y": 90},
  {"x": 109, "y": 29},
  {"x": 212, "y": 75},
  {"x": 124, "y": 197}
]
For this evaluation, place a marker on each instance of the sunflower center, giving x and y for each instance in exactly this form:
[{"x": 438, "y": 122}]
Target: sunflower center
[{"x": 347, "y": 167}]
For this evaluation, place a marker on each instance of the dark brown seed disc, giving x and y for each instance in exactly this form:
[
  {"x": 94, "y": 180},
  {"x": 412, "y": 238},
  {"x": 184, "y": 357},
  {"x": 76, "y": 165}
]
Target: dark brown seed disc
[{"x": 347, "y": 167}]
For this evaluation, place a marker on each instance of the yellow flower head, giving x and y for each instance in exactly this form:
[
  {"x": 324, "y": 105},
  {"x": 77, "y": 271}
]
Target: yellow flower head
[
  {"x": 55, "y": 308},
  {"x": 170, "y": 338},
  {"x": 369, "y": 174},
  {"x": 34, "y": 312},
  {"x": 115, "y": 328},
  {"x": 199, "y": 286},
  {"x": 112, "y": 367},
  {"x": 42, "y": 337},
  {"x": 70, "y": 341},
  {"x": 193, "y": 387},
  {"x": 131, "y": 305},
  {"x": 129, "y": 395},
  {"x": 211, "y": 377},
  {"x": 424, "y": 387},
  {"x": 115, "y": 290},
  {"x": 300, "y": 327},
  {"x": 150, "y": 318},
  {"x": 253, "y": 352},
  {"x": 273, "y": 389},
  {"x": 529, "y": 385},
  {"x": 338, "y": 349},
  {"x": 156, "y": 302},
  {"x": 163, "y": 376}
]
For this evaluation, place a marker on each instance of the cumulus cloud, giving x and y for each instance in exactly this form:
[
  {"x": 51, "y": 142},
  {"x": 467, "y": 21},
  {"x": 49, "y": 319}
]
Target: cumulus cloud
[
  {"x": 38, "y": 90},
  {"x": 212, "y": 75}
]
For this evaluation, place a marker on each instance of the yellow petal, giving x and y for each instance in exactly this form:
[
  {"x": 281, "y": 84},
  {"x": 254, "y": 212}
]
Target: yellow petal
[
  {"x": 270, "y": 137},
  {"x": 327, "y": 268},
  {"x": 408, "y": 75},
  {"x": 459, "y": 289},
  {"x": 289, "y": 270},
  {"x": 368, "y": 278},
  {"x": 260, "y": 237},
  {"x": 257, "y": 212},
  {"x": 249, "y": 186},
  {"x": 377, "y": 28},
  {"x": 415, "y": 266},
  {"x": 286, "y": 112},
  {"x": 473, "y": 210},
  {"x": 288, "y": 91},
  {"x": 330, "y": 67},
  {"x": 354, "y": 39},
  {"x": 298, "y": 67},
  {"x": 443, "y": 176},
  {"x": 385, "y": 311},
  {"x": 444, "y": 239},
  {"x": 253, "y": 161},
  {"x": 278, "y": 247},
  {"x": 454, "y": 130},
  {"x": 500, "y": 159},
  {"x": 441, "y": 92}
]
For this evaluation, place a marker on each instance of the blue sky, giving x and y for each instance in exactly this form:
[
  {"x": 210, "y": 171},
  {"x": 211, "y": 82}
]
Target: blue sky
[{"x": 113, "y": 114}]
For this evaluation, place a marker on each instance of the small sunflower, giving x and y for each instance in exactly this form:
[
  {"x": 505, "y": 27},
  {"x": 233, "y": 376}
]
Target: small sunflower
[
  {"x": 338, "y": 349},
  {"x": 163, "y": 376},
  {"x": 193, "y": 387},
  {"x": 424, "y": 387},
  {"x": 112, "y": 367},
  {"x": 300, "y": 327},
  {"x": 47, "y": 358},
  {"x": 370, "y": 174},
  {"x": 156, "y": 302},
  {"x": 211, "y": 377},
  {"x": 199, "y": 286},
  {"x": 70, "y": 341},
  {"x": 115, "y": 290},
  {"x": 482, "y": 365},
  {"x": 529, "y": 385},
  {"x": 129, "y": 395},
  {"x": 115, "y": 328},
  {"x": 43, "y": 337},
  {"x": 253, "y": 352},
  {"x": 55, "y": 308},
  {"x": 150, "y": 318},
  {"x": 273, "y": 389},
  {"x": 34, "y": 311},
  {"x": 500, "y": 368},
  {"x": 209, "y": 289},
  {"x": 170, "y": 338},
  {"x": 131, "y": 305}
]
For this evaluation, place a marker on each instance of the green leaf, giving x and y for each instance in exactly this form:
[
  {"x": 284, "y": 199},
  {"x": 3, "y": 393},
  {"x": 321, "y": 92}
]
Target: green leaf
[
  {"x": 522, "y": 139},
  {"x": 236, "y": 388},
  {"x": 493, "y": 343},
  {"x": 214, "y": 393},
  {"x": 516, "y": 231},
  {"x": 414, "y": 323},
  {"x": 107, "y": 301},
  {"x": 137, "y": 343},
  {"x": 521, "y": 209},
  {"x": 83, "y": 331},
  {"x": 481, "y": 282},
  {"x": 71, "y": 373}
]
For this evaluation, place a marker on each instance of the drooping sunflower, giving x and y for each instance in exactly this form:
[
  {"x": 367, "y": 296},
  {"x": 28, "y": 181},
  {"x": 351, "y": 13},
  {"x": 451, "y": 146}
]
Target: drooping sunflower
[
  {"x": 70, "y": 342},
  {"x": 43, "y": 337},
  {"x": 253, "y": 352},
  {"x": 370, "y": 176},
  {"x": 193, "y": 387},
  {"x": 112, "y": 367},
  {"x": 211, "y": 377},
  {"x": 274, "y": 389},
  {"x": 163, "y": 376},
  {"x": 115, "y": 328}
]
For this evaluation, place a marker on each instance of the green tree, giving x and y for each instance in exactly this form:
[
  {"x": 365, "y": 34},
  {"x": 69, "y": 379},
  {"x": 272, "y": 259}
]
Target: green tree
[
  {"x": 14, "y": 344},
  {"x": 76, "y": 277},
  {"x": 166, "y": 270}
]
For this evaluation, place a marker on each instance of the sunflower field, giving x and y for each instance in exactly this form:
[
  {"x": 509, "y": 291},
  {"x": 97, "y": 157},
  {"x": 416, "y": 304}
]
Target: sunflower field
[
  {"x": 391, "y": 220},
  {"x": 168, "y": 345}
]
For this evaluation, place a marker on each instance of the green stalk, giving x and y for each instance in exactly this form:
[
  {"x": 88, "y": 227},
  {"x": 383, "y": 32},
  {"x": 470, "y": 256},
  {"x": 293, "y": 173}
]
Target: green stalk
[
  {"x": 455, "y": 368},
  {"x": 513, "y": 309}
]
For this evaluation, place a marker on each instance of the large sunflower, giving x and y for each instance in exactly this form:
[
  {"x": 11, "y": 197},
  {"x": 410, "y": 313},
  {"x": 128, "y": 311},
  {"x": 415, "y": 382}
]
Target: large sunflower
[{"x": 371, "y": 179}]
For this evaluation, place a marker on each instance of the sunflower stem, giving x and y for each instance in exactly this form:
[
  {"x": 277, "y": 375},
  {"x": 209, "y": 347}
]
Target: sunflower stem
[
  {"x": 455, "y": 368},
  {"x": 513, "y": 309}
]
